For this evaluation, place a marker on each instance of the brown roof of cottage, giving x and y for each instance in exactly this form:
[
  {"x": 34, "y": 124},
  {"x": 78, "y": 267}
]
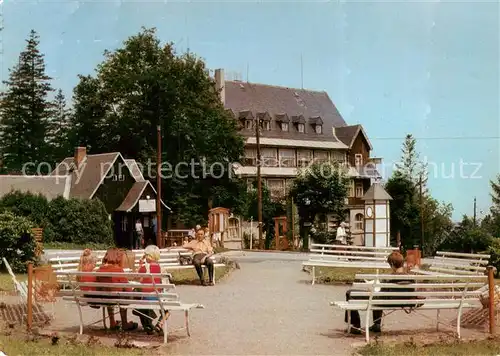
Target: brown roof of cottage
[
  {"x": 240, "y": 96},
  {"x": 134, "y": 169},
  {"x": 347, "y": 134},
  {"x": 49, "y": 186},
  {"x": 88, "y": 177},
  {"x": 134, "y": 194}
]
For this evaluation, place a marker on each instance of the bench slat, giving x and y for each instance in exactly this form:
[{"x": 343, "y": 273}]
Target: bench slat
[
  {"x": 420, "y": 285},
  {"x": 397, "y": 277},
  {"x": 460, "y": 254}
]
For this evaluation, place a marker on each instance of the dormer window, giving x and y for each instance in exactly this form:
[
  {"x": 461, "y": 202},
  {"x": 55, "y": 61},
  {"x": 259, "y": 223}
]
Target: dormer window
[
  {"x": 301, "y": 128},
  {"x": 248, "y": 124},
  {"x": 358, "y": 159},
  {"x": 266, "y": 125},
  {"x": 284, "y": 126},
  {"x": 317, "y": 124},
  {"x": 264, "y": 121}
]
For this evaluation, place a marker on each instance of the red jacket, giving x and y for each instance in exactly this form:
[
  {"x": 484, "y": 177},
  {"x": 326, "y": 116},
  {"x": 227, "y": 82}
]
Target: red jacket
[
  {"x": 105, "y": 279},
  {"x": 154, "y": 267}
]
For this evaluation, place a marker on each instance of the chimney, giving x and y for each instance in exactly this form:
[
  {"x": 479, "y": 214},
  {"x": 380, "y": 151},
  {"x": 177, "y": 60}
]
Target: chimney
[
  {"x": 219, "y": 84},
  {"x": 80, "y": 153}
]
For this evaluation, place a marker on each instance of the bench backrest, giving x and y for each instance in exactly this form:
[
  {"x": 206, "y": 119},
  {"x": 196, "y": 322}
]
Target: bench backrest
[
  {"x": 459, "y": 263},
  {"x": 167, "y": 258},
  {"x": 435, "y": 290},
  {"x": 323, "y": 252},
  {"x": 107, "y": 293}
]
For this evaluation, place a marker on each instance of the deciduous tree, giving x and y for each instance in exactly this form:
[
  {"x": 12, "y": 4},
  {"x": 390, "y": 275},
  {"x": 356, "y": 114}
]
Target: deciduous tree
[
  {"x": 320, "y": 189},
  {"x": 145, "y": 83}
]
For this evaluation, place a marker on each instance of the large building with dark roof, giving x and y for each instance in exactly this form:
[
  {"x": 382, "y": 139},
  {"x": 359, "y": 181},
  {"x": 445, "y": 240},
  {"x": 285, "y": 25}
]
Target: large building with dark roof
[{"x": 298, "y": 127}]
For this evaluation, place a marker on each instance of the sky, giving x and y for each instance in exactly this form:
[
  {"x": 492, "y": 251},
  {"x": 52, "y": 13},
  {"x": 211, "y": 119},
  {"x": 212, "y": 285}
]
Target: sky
[{"x": 429, "y": 68}]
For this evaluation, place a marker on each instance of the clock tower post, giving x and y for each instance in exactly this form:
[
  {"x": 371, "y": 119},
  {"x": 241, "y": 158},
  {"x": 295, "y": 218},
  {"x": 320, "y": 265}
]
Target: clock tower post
[{"x": 377, "y": 217}]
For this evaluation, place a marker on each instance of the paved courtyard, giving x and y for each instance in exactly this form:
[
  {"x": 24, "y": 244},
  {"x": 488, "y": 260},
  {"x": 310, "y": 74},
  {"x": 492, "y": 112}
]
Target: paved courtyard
[{"x": 267, "y": 307}]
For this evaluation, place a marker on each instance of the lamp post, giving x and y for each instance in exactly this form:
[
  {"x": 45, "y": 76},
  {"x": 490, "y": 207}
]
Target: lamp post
[
  {"x": 259, "y": 183},
  {"x": 158, "y": 187}
]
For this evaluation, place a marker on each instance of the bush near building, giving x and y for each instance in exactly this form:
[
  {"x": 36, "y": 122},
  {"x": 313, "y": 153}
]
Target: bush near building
[
  {"x": 63, "y": 220},
  {"x": 17, "y": 242}
]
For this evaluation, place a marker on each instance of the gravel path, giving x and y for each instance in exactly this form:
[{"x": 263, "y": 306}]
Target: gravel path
[{"x": 264, "y": 308}]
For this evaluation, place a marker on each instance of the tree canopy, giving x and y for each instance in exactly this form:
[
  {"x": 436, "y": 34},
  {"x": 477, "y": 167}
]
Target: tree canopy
[
  {"x": 319, "y": 190},
  {"x": 143, "y": 84}
]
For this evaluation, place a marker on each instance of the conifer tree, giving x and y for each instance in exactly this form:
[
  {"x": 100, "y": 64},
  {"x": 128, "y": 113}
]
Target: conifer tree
[
  {"x": 25, "y": 111},
  {"x": 58, "y": 129},
  {"x": 410, "y": 166}
]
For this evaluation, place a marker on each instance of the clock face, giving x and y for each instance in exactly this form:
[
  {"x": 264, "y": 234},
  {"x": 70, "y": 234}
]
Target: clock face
[{"x": 369, "y": 212}]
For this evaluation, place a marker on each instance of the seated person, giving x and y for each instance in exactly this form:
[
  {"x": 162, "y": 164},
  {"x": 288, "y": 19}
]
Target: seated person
[
  {"x": 149, "y": 264},
  {"x": 202, "y": 250},
  {"x": 396, "y": 262},
  {"x": 113, "y": 261},
  {"x": 87, "y": 264}
]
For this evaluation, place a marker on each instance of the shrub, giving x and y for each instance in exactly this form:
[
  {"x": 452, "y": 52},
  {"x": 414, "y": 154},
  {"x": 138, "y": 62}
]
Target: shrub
[
  {"x": 494, "y": 252},
  {"x": 17, "y": 242},
  {"x": 34, "y": 207},
  {"x": 79, "y": 222},
  {"x": 63, "y": 220}
]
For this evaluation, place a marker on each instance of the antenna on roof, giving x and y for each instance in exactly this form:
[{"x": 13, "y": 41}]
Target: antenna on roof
[
  {"x": 248, "y": 69},
  {"x": 187, "y": 36},
  {"x": 301, "y": 73}
]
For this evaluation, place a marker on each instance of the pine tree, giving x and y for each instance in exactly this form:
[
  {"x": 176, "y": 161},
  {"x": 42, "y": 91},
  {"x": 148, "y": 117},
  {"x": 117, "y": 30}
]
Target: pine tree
[
  {"x": 25, "y": 111},
  {"x": 410, "y": 165},
  {"x": 58, "y": 129}
]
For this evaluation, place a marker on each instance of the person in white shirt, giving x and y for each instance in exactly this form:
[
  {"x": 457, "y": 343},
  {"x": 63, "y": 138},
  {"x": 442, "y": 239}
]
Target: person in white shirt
[
  {"x": 139, "y": 234},
  {"x": 341, "y": 234}
]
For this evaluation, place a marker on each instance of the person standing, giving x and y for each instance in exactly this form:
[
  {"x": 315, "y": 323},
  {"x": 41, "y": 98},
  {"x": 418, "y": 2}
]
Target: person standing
[
  {"x": 341, "y": 234},
  {"x": 154, "y": 223},
  {"x": 139, "y": 234}
]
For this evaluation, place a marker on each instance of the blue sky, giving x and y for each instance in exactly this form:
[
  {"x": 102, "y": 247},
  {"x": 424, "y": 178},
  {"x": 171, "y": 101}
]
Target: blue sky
[{"x": 426, "y": 68}]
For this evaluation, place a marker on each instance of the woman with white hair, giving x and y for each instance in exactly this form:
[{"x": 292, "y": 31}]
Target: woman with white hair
[{"x": 149, "y": 264}]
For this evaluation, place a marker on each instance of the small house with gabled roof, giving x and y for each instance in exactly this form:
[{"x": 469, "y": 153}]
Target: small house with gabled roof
[{"x": 116, "y": 181}]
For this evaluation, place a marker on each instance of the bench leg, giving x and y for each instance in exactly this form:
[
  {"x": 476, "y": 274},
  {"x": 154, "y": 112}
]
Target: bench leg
[
  {"x": 313, "y": 274},
  {"x": 437, "y": 321},
  {"x": 165, "y": 332},
  {"x": 186, "y": 316},
  {"x": 367, "y": 325},
  {"x": 348, "y": 321},
  {"x": 104, "y": 317},
  {"x": 459, "y": 317},
  {"x": 81, "y": 317}
]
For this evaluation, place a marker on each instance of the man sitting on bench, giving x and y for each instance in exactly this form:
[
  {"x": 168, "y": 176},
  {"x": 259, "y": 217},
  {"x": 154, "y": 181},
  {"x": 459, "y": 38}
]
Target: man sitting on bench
[
  {"x": 202, "y": 251},
  {"x": 396, "y": 262}
]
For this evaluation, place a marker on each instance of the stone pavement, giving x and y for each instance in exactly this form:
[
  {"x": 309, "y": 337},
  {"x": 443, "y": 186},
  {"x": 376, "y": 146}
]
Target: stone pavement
[{"x": 265, "y": 308}]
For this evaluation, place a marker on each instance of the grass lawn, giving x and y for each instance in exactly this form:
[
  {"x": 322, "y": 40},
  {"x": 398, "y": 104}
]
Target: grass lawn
[
  {"x": 20, "y": 346},
  {"x": 329, "y": 275},
  {"x": 72, "y": 246},
  {"x": 189, "y": 276},
  {"x": 6, "y": 284},
  {"x": 481, "y": 347}
]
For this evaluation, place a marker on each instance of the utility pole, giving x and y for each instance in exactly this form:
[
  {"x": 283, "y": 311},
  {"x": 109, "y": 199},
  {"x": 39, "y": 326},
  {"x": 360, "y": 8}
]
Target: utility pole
[
  {"x": 259, "y": 183},
  {"x": 475, "y": 216},
  {"x": 158, "y": 187},
  {"x": 421, "y": 218}
]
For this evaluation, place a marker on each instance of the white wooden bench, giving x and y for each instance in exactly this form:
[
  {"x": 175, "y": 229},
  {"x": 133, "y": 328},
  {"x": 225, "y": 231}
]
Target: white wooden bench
[
  {"x": 167, "y": 300},
  {"x": 323, "y": 255},
  {"x": 435, "y": 292},
  {"x": 455, "y": 263},
  {"x": 169, "y": 260}
]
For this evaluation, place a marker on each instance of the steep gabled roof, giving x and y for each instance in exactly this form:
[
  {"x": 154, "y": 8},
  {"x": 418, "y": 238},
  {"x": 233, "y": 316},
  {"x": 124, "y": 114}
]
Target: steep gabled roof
[
  {"x": 90, "y": 174},
  {"x": 240, "y": 96},
  {"x": 134, "y": 194},
  {"x": 347, "y": 134}
]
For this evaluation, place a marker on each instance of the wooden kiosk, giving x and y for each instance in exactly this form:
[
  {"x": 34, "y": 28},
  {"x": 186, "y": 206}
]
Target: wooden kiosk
[
  {"x": 280, "y": 240},
  {"x": 218, "y": 222}
]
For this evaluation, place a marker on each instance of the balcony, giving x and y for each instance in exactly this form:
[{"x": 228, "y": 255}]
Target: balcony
[{"x": 287, "y": 162}]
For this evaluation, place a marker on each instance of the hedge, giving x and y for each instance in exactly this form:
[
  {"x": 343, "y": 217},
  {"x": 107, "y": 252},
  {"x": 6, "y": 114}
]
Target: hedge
[
  {"x": 17, "y": 242},
  {"x": 78, "y": 221}
]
